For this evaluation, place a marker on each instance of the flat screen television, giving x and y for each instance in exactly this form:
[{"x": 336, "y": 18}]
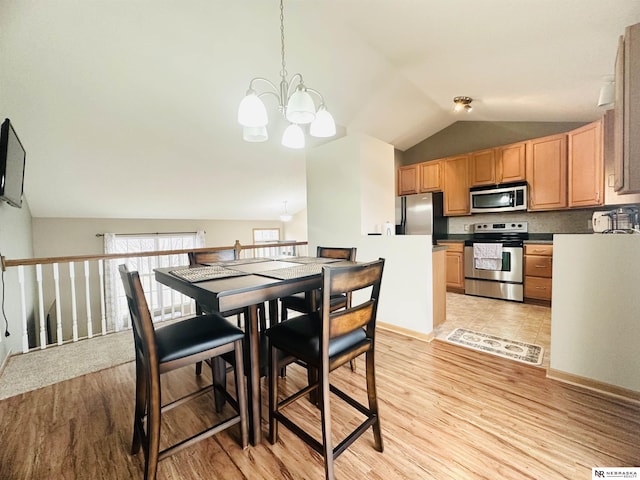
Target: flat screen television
[{"x": 12, "y": 161}]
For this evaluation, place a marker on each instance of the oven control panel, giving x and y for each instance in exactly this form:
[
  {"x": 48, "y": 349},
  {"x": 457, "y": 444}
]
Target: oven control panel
[{"x": 509, "y": 227}]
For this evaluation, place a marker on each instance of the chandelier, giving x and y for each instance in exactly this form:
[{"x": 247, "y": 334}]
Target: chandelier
[
  {"x": 285, "y": 216},
  {"x": 295, "y": 103}
]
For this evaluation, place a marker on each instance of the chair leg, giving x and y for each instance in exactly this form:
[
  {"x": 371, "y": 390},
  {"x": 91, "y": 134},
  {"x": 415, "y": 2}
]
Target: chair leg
[
  {"x": 373, "y": 400},
  {"x": 273, "y": 395},
  {"x": 219, "y": 374},
  {"x": 153, "y": 429},
  {"x": 139, "y": 407},
  {"x": 327, "y": 443},
  {"x": 241, "y": 394}
]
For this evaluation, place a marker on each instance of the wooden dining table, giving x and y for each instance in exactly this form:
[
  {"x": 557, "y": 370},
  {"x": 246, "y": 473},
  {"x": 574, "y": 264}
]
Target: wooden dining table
[{"x": 246, "y": 283}]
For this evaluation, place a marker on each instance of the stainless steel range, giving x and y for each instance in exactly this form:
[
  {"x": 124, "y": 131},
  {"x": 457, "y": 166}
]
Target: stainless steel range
[{"x": 494, "y": 260}]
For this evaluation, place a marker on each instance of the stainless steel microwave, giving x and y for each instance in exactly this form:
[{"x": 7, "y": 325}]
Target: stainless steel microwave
[{"x": 506, "y": 197}]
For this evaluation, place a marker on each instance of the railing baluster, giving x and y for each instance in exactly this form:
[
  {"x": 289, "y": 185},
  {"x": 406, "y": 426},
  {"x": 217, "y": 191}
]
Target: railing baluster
[
  {"x": 74, "y": 309},
  {"x": 43, "y": 320},
  {"x": 103, "y": 314},
  {"x": 88, "y": 299},
  {"x": 56, "y": 287},
  {"x": 25, "y": 333}
]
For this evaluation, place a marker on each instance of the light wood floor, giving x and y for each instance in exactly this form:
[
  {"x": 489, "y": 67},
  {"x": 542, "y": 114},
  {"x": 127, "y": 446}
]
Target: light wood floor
[
  {"x": 512, "y": 320},
  {"x": 446, "y": 412}
]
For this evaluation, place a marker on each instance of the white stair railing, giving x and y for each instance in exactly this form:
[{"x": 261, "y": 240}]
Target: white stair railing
[{"x": 51, "y": 289}]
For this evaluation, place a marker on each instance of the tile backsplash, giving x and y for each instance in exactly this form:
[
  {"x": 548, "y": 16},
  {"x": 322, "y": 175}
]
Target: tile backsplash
[{"x": 564, "y": 221}]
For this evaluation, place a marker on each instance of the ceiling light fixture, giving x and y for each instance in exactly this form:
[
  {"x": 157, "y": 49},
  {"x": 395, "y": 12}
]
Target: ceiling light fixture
[
  {"x": 294, "y": 102},
  {"x": 607, "y": 92},
  {"x": 462, "y": 103},
  {"x": 285, "y": 216}
]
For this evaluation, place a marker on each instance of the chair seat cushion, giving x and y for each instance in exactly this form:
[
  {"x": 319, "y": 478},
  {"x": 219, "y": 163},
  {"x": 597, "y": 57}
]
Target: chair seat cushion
[
  {"x": 300, "y": 336},
  {"x": 194, "y": 335}
]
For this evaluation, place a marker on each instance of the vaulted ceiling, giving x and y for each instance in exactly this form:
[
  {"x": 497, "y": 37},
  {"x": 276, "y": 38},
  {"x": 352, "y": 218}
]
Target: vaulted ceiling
[{"x": 128, "y": 109}]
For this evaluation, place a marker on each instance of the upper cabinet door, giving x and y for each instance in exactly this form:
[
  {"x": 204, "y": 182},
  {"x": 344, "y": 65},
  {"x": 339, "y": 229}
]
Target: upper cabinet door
[
  {"x": 408, "y": 180},
  {"x": 482, "y": 167},
  {"x": 456, "y": 185},
  {"x": 431, "y": 176},
  {"x": 511, "y": 166},
  {"x": 547, "y": 172},
  {"x": 586, "y": 163}
]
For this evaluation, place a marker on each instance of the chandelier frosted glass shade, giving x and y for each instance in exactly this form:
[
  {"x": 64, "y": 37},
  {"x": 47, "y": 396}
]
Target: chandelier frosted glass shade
[
  {"x": 293, "y": 136},
  {"x": 323, "y": 126},
  {"x": 255, "y": 134},
  {"x": 252, "y": 112},
  {"x": 300, "y": 107}
]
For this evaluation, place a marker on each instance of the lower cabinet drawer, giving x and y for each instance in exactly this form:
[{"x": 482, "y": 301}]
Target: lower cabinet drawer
[
  {"x": 538, "y": 266},
  {"x": 537, "y": 287}
]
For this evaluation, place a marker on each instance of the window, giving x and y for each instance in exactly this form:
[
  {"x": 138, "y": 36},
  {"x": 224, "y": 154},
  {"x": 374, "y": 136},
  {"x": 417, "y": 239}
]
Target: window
[
  {"x": 266, "y": 235},
  {"x": 163, "y": 301}
]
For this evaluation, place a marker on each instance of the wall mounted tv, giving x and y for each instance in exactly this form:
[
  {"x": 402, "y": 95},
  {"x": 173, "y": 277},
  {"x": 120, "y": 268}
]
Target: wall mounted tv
[{"x": 12, "y": 160}]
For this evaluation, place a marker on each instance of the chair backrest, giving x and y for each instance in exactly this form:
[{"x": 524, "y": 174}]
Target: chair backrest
[
  {"x": 337, "y": 252},
  {"x": 346, "y": 280},
  {"x": 143, "y": 329},
  {"x": 202, "y": 258}
]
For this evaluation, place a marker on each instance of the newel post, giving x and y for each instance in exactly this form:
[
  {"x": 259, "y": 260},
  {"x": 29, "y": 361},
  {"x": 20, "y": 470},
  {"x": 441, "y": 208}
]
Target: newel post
[{"x": 238, "y": 248}]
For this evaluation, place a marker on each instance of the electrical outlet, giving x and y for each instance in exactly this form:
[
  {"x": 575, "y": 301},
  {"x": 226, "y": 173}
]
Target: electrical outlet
[{"x": 466, "y": 227}]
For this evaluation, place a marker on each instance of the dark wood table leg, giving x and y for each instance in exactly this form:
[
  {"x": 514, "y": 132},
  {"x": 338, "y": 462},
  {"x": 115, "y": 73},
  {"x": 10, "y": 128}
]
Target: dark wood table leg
[{"x": 253, "y": 381}]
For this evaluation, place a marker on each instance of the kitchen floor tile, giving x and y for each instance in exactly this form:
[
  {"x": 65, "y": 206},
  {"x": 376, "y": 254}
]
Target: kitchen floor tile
[{"x": 512, "y": 320}]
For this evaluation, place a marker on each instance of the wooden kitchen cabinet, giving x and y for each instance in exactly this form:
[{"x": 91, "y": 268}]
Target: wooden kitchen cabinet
[
  {"x": 546, "y": 164},
  {"x": 482, "y": 168},
  {"x": 586, "y": 163},
  {"x": 430, "y": 176},
  {"x": 408, "y": 180},
  {"x": 538, "y": 267},
  {"x": 511, "y": 165},
  {"x": 454, "y": 259},
  {"x": 503, "y": 164},
  {"x": 456, "y": 185}
]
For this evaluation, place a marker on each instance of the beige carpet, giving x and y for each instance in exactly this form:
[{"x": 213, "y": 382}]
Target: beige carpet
[{"x": 40, "y": 368}]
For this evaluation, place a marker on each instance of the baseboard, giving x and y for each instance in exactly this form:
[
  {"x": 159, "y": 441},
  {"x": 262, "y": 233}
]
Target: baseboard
[
  {"x": 595, "y": 386},
  {"x": 425, "y": 337}
]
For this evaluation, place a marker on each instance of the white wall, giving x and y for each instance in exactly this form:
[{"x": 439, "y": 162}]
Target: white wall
[
  {"x": 350, "y": 188},
  {"x": 595, "y": 316},
  {"x": 15, "y": 242},
  {"x": 77, "y": 236},
  {"x": 296, "y": 229}
]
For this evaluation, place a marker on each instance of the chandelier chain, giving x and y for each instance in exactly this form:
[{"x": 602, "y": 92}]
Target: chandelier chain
[{"x": 283, "y": 72}]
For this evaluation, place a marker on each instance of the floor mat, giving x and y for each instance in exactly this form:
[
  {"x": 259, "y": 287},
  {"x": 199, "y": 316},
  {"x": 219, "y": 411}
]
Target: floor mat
[{"x": 512, "y": 349}]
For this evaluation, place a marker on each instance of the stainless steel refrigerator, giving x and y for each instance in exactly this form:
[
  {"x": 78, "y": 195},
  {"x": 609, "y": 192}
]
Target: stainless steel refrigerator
[{"x": 421, "y": 214}]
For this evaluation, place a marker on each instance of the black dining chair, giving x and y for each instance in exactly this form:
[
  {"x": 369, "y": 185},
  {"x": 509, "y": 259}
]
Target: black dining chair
[
  {"x": 304, "y": 302},
  {"x": 324, "y": 340},
  {"x": 201, "y": 258},
  {"x": 168, "y": 348}
]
